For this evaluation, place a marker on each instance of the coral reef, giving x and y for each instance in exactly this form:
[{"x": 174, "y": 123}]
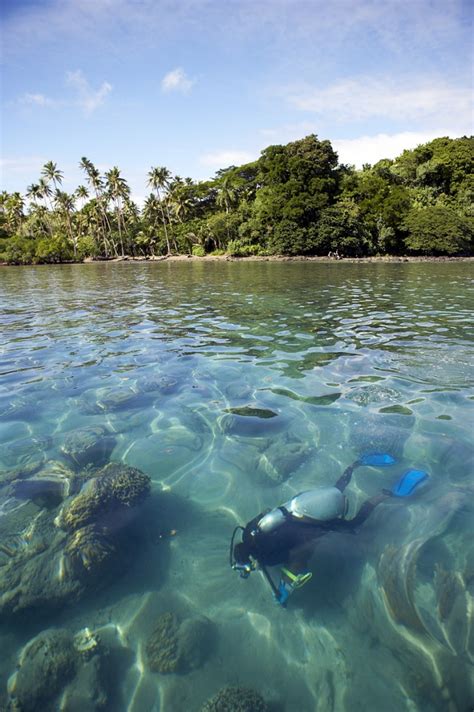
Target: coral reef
[
  {"x": 235, "y": 699},
  {"x": 45, "y": 665},
  {"x": 88, "y": 446},
  {"x": 162, "y": 646},
  {"x": 179, "y": 646},
  {"x": 57, "y": 670},
  {"x": 117, "y": 487}
]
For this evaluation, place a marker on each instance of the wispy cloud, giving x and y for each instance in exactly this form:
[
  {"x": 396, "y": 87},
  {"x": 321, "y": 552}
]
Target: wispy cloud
[
  {"x": 177, "y": 80},
  {"x": 39, "y": 100},
  {"x": 222, "y": 159},
  {"x": 364, "y": 98},
  {"x": 86, "y": 98}
]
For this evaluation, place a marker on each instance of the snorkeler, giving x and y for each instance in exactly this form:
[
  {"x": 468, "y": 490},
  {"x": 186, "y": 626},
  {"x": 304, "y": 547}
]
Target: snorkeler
[{"x": 285, "y": 535}]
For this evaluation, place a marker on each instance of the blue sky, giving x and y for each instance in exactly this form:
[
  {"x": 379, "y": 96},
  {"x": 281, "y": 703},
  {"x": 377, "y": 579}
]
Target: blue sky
[{"x": 198, "y": 85}]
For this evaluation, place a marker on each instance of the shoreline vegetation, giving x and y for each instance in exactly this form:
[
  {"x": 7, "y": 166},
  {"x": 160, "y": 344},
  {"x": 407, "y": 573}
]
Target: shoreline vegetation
[{"x": 294, "y": 202}]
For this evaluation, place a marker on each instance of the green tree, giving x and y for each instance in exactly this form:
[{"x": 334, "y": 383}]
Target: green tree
[{"x": 438, "y": 230}]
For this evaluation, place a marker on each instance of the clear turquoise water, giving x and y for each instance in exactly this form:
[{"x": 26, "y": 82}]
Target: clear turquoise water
[{"x": 351, "y": 358}]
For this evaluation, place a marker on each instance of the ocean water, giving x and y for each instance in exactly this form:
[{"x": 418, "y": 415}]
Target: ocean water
[{"x": 233, "y": 386}]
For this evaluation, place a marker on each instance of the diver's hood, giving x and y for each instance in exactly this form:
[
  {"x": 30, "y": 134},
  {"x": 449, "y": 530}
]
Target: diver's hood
[{"x": 321, "y": 503}]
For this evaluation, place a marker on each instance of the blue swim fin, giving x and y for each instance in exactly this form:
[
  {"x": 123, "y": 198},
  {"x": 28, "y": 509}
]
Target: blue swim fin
[
  {"x": 408, "y": 482},
  {"x": 377, "y": 459}
]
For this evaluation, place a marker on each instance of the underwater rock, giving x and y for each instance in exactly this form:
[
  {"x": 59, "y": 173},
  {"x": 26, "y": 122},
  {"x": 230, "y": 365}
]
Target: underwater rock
[
  {"x": 46, "y": 663},
  {"x": 88, "y": 446},
  {"x": 235, "y": 699},
  {"x": 21, "y": 471},
  {"x": 116, "y": 489},
  {"x": 162, "y": 384},
  {"x": 19, "y": 409},
  {"x": 380, "y": 433},
  {"x": 179, "y": 646},
  {"x": 87, "y": 692},
  {"x": 249, "y": 411},
  {"x": 282, "y": 458},
  {"x": 25, "y": 450},
  {"x": 53, "y": 482},
  {"x": 87, "y": 551},
  {"x": 244, "y": 425},
  {"x": 397, "y": 575}
]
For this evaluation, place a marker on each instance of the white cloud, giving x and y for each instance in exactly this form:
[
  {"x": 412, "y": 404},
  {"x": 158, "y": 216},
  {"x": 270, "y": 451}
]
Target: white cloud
[
  {"x": 177, "y": 80},
  {"x": 370, "y": 149},
  {"x": 364, "y": 98},
  {"x": 222, "y": 159},
  {"x": 88, "y": 99}
]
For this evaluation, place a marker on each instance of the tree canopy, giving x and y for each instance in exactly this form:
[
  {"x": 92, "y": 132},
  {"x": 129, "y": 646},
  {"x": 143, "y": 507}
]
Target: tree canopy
[{"x": 296, "y": 199}]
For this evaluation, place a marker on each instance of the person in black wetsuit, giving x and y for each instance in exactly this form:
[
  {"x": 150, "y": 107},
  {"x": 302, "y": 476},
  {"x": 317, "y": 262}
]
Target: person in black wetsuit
[{"x": 286, "y": 534}]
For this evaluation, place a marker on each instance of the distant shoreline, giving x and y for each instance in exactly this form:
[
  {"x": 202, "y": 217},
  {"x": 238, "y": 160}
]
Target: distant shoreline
[
  {"x": 284, "y": 258},
  {"x": 257, "y": 258}
]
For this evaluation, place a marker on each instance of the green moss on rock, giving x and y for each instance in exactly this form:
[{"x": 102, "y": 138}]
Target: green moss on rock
[
  {"x": 87, "y": 551},
  {"x": 179, "y": 646},
  {"x": 117, "y": 487}
]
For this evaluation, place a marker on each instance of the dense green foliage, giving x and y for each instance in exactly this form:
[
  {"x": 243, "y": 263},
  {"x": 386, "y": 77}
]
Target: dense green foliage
[{"x": 294, "y": 200}]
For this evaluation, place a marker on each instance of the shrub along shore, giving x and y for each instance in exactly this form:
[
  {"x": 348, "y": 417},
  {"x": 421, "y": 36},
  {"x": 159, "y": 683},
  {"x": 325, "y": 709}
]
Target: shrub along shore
[{"x": 295, "y": 201}]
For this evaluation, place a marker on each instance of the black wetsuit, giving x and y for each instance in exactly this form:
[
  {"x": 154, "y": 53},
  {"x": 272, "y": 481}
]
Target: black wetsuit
[{"x": 294, "y": 534}]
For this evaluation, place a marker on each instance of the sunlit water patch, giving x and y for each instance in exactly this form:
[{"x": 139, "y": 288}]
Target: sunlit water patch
[{"x": 147, "y": 409}]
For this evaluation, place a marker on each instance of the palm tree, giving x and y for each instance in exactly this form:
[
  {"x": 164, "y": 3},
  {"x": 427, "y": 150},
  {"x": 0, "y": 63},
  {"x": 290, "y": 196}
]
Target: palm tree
[
  {"x": 81, "y": 194},
  {"x": 45, "y": 192},
  {"x": 119, "y": 191},
  {"x": 95, "y": 181},
  {"x": 52, "y": 173},
  {"x": 158, "y": 179},
  {"x": 226, "y": 198},
  {"x": 66, "y": 204},
  {"x": 33, "y": 193}
]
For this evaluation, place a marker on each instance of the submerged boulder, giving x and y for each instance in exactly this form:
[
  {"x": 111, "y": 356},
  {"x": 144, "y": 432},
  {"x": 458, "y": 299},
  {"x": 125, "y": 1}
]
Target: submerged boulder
[
  {"x": 116, "y": 489},
  {"x": 88, "y": 551},
  {"x": 88, "y": 446},
  {"x": 53, "y": 481},
  {"x": 282, "y": 458},
  {"x": 59, "y": 670},
  {"x": 26, "y": 451},
  {"x": 235, "y": 699},
  {"x": 177, "y": 646},
  {"x": 45, "y": 665}
]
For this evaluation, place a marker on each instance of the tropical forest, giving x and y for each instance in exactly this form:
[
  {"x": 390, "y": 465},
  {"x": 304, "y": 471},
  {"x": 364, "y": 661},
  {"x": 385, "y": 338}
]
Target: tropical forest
[{"x": 296, "y": 199}]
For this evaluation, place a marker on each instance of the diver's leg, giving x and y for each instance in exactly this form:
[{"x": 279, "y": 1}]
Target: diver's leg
[
  {"x": 294, "y": 573},
  {"x": 365, "y": 511},
  {"x": 376, "y": 459}
]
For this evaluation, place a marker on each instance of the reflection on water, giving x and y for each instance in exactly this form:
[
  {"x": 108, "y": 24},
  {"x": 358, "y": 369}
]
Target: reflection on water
[{"x": 147, "y": 409}]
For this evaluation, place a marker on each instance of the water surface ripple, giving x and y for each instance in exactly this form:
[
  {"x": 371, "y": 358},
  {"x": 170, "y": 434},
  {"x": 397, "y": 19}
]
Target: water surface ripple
[{"x": 234, "y": 386}]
